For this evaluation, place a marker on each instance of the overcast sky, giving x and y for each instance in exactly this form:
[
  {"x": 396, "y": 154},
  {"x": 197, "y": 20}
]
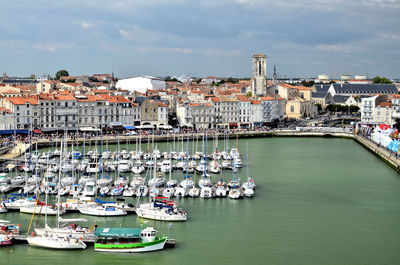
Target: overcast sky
[{"x": 200, "y": 37}]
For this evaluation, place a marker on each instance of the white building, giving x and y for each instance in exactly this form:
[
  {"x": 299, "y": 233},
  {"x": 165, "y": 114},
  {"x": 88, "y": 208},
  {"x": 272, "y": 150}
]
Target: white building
[
  {"x": 141, "y": 84},
  {"x": 368, "y": 109},
  {"x": 244, "y": 111},
  {"x": 256, "y": 113}
]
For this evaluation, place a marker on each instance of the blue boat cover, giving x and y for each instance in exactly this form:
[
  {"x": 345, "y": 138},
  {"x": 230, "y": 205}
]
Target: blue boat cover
[{"x": 99, "y": 201}]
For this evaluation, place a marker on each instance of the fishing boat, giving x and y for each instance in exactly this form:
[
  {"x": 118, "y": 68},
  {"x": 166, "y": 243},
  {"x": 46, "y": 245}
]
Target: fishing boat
[{"x": 128, "y": 240}]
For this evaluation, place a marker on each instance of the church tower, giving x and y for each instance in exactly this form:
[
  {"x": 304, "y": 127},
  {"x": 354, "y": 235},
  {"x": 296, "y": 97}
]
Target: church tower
[{"x": 259, "y": 80}]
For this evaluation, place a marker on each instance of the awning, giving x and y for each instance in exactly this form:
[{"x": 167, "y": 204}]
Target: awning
[
  {"x": 223, "y": 124},
  {"x": 88, "y": 129},
  {"x": 186, "y": 125},
  {"x": 129, "y": 127},
  {"x": 37, "y": 131},
  {"x": 14, "y": 131},
  {"x": 148, "y": 126},
  {"x": 166, "y": 127}
]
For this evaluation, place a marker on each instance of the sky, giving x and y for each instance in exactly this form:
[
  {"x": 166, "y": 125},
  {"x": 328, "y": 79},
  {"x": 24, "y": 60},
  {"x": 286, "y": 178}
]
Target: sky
[{"x": 303, "y": 38}]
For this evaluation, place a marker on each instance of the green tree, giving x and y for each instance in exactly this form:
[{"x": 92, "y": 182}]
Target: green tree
[
  {"x": 307, "y": 83},
  {"x": 381, "y": 80},
  {"x": 61, "y": 73},
  {"x": 249, "y": 94}
]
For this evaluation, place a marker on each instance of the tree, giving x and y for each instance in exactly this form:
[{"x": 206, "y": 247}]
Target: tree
[
  {"x": 249, "y": 94},
  {"x": 307, "y": 83},
  {"x": 61, "y": 73},
  {"x": 381, "y": 80}
]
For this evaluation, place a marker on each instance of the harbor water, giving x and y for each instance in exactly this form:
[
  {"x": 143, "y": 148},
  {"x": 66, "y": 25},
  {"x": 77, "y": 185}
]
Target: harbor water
[{"x": 318, "y": 201}]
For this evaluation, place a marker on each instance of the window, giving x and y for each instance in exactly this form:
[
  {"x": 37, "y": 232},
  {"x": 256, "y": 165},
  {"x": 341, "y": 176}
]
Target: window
[{"x": 291, "y": 108}]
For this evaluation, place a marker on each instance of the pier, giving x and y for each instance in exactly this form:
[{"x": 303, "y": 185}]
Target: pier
[{"x": 22, "y": 239}]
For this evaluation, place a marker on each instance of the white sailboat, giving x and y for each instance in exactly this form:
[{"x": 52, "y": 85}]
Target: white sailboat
[{"x": 54, "y": 241}]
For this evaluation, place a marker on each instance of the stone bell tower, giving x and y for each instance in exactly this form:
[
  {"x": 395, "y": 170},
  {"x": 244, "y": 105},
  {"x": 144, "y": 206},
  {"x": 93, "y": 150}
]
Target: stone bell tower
[{"x": 259, "y": 79}]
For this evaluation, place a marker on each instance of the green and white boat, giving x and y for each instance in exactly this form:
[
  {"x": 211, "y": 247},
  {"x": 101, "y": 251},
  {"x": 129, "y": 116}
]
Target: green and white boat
[{"x": 128, "y": 240}]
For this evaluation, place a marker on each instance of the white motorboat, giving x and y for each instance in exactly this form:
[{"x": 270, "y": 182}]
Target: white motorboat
[
  {"x": 137, "y": 168},
  {"x": 68, "y": 180},
  {"x": 207, "y": 192},
  {"x": 5, "y": 187},
  {"x": 121, "y": 181},
  {"x": 168, "y": 192},
  {"x": 128, "y": 192},
  {"x": 93, "y": 168},
  {"x": 205, "y": 181},
  {"x": 248, "y": 192},
  {"x": 117, "y": 191},
  {"x": 187, "y": 182},
  {"x": 181, "y": 192},
  {"x": 82, "y": 181},
  {"x": 161, "y": 210},
  {"x": 166, "y": 166},
  {"x": 137, "y": 181},
  {"x": 235, "y": 193},
  {"x": 124, "y": 166},
  {"x": 102, "y": 210},
  {"x": 75, "y": 190},
  {"x": 90, "y": 189},
  {"x": 104, "y": 181},
  {"x": 18, "y": 180},
  {"x": 65, "y": 190},
  {"x": 237, "y": 162},
  {"x": 156, "y": 182},
  {"x": 104, "y": 191},
  {"x": 194, "y": 192}
]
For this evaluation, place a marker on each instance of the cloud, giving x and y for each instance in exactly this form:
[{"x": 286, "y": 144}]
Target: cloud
[{"x": 86, "y": 25}]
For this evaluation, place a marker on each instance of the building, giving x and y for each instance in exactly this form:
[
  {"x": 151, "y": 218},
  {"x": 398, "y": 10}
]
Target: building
[
  {"x": 141, "y": 84},
  {"x": 244, "y": 111},
  {"x": 228, "y": 110},
  {"x": 273, "y": 108},
  {"x": 26, "y": 111},
  {"x": 362, "y": 89},
  {"x": 256, "y": 113},
  {"x": 66, "y": 112},
  {"x": 203, "y": 116},
  {"x": 7, "y": 119},
  {"x": 383, "y": 113},
  {"x": 259, "y": 79}
]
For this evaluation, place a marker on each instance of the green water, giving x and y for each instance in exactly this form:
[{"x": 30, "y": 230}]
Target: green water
[{"x": 318, "y": 201}]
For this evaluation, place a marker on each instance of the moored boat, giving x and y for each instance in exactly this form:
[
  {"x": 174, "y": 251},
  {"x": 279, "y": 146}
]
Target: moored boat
[{"x": 128, "y": 240}]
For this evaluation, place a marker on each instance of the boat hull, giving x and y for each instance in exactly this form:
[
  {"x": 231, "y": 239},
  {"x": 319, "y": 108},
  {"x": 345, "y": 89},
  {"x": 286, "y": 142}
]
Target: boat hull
[
  {"x": 55, "y": 243},
  {"x": 132, "y": 248}
]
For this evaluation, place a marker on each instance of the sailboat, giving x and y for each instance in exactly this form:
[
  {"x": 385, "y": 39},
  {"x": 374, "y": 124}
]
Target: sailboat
[
  {"x": 54, "y": 241},
  {"x": 207, "y": 191},
  {"x": 249, "y": 185}
]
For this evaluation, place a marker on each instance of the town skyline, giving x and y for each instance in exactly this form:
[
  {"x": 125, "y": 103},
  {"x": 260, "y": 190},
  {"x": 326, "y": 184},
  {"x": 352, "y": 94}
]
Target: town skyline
[{"x": 200, "y": 38}]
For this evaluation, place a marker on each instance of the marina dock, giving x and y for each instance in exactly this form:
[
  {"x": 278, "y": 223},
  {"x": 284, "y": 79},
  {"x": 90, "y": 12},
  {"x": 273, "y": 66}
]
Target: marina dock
[{"x": 21, "y": 239}]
